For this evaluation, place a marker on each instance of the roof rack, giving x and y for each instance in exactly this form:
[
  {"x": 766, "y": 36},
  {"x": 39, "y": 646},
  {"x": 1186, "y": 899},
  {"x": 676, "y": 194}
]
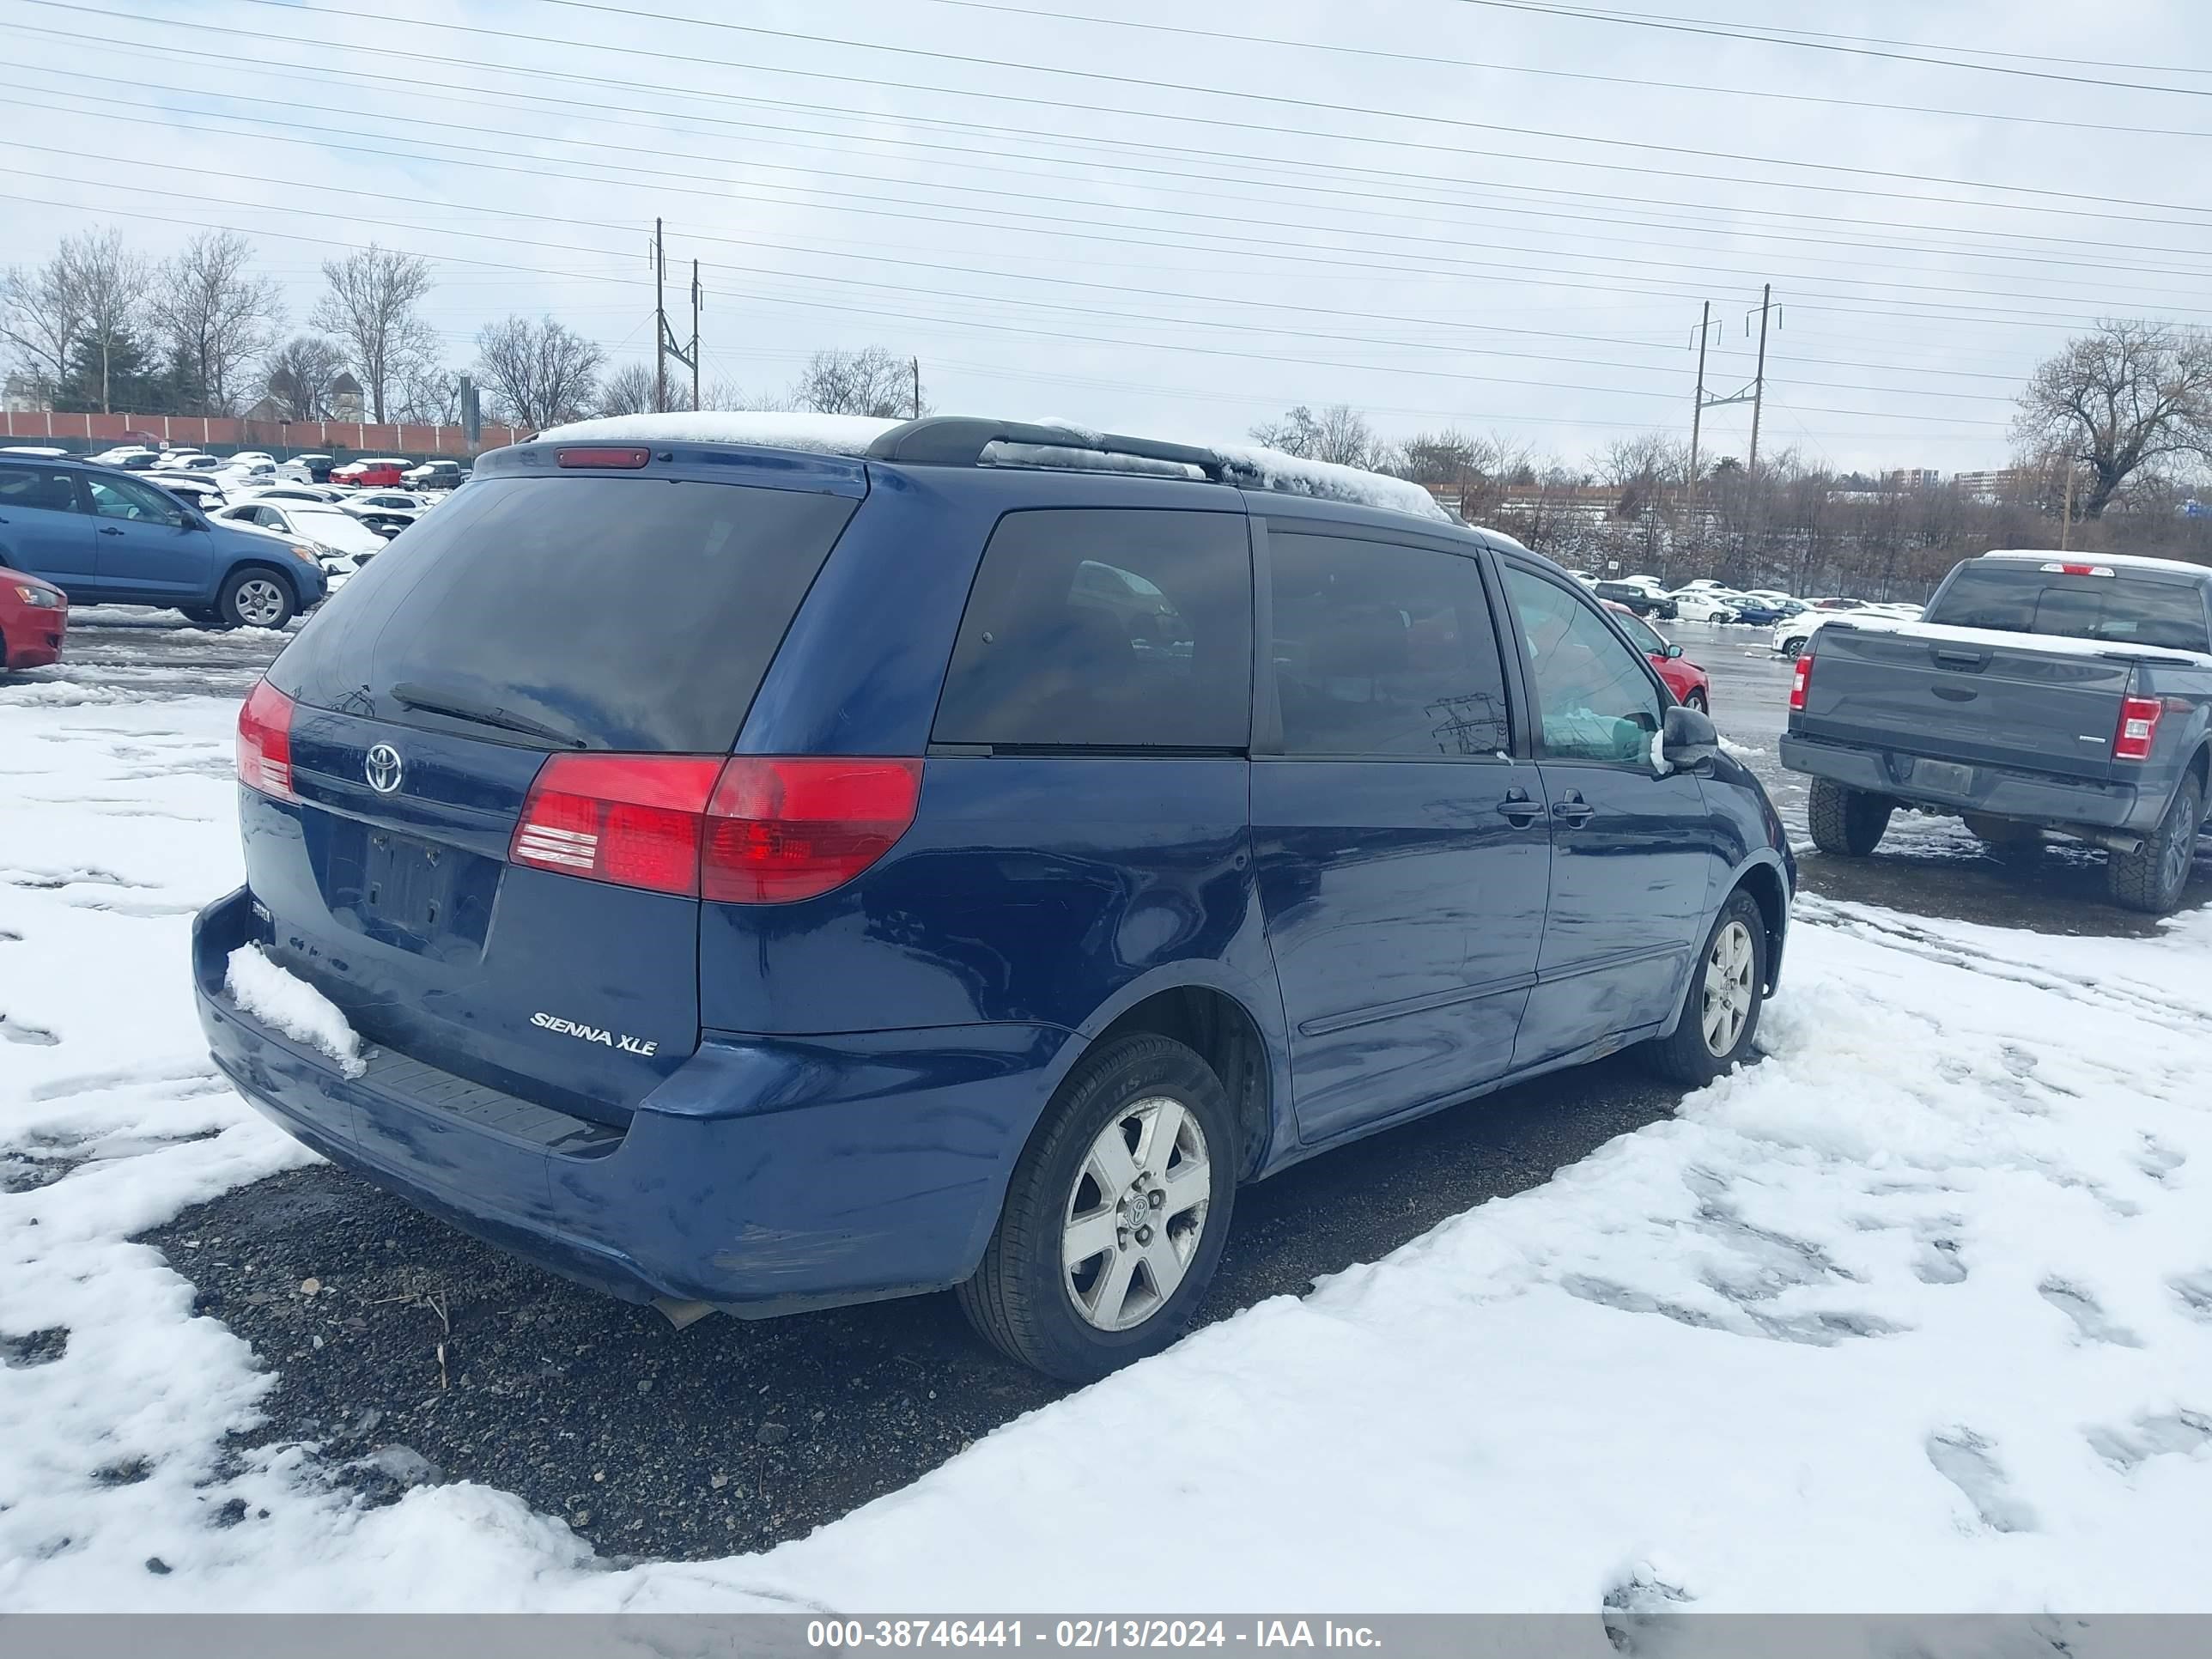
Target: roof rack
[{"x": 960, "y": 441}]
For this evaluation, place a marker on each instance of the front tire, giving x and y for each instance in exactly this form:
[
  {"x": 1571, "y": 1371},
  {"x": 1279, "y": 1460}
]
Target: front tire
[
  {"x": 2153, "y": 877},
  {"x": 1697, "y": 700},
  {"x": 1794, "y": 647},
  {"x": 1846, "y": 823},
  {"x": 1719, "y": 1020},
  {"x": 1115, "y": 1219},
  {"x": 254, "y": 598}
]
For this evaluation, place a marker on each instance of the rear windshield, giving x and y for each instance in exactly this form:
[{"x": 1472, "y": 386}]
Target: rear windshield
[
  {"x": 620, "y": 613},
  {"x": 2120, "y": 609}
]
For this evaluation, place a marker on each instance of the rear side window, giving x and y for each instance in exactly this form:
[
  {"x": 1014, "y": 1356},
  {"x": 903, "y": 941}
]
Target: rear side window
[
  {"x": 626, "y": 613},
  {"x": 1383, "y": 649},
  {"x": 2017, "y": 597},
  {"x": 36, "y": 489},
  {"x": 1108, "y": 630}
]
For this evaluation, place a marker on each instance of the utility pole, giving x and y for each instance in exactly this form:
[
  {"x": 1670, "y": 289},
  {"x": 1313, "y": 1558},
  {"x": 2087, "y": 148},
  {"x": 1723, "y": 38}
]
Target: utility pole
[
  {"x": 659, "y": 324},
  {"x": 1697, "y": 417},
  {"x": 664, "y": 343},
  {"x": 1758, "y": 382},
  {"x": 917, "y": 388}
]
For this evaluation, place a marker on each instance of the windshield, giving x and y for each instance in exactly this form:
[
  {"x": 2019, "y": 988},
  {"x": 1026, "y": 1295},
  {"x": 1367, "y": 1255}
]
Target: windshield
[{"x": 2121, "y": 609}]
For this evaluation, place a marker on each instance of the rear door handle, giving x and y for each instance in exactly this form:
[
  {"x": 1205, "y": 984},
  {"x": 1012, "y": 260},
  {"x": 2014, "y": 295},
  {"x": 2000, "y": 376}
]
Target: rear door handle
[
  {"x": 1519, "y": 811},
  {"x": 1573, "y": 812},
  {"x": 109, "y": 530}
]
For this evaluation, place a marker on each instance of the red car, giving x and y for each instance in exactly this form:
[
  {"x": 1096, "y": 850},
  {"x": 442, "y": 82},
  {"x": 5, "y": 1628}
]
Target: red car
[
  {"x": 370, "y": 475},
  {"x": 1684, "y": 677},
  {"x": 33, "y": 616}
]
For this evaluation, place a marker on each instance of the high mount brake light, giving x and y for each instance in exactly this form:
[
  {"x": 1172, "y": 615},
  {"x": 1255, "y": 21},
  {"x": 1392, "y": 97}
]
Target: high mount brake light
[
  {"x": 2059, "y": 570},
  {"x": 745, "y": 830},
  {"x": 2138, "y": 728},
  {"x": 624, "y": 456},
  {"x": 264, "y": 743}
]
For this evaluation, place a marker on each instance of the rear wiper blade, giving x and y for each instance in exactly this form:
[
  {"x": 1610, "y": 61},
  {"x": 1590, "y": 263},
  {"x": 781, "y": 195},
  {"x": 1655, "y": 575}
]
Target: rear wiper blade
[{"x": 458, "y": 705}]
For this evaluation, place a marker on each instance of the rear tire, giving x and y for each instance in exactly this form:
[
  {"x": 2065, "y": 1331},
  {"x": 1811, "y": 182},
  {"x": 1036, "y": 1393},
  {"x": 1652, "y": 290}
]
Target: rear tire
[
  {"x": 255, "y": 597},
  {"x": 1846, "y": 823},
  {"x": 1137, "y": 1155},
  {"x": 1719, "y": 1020},
  {"x": 2153, "y": 877}
]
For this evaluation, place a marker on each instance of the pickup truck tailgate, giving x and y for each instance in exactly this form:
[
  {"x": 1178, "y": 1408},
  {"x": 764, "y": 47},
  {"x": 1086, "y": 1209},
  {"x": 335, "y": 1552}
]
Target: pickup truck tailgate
[{"x": 1954, "y": 698}]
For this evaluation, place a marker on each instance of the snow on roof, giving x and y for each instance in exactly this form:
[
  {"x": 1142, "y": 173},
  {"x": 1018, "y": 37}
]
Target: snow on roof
[
  {"x": 851, "y": 435},
  {"x": 1329, "y": 482},
  {"x": 2063, "y": 644},
  {"x": 824, "y": 434},
  {"x": 2118, "y": 561}
]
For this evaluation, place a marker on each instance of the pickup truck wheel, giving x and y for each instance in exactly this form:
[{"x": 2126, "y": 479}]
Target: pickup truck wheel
[
  {"x": 1115, "y": 1215},
  {"x": 254, "y": 598},
  {"x": 1846, "y": 823},
  {"x": 2151, "y": 879},
  {"x": 1728, "y": 989}
]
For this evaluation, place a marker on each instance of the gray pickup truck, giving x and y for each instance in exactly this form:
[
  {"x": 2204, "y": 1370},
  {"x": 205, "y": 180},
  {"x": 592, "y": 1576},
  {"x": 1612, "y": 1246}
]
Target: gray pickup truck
[{"x": 2041, "y": 693}]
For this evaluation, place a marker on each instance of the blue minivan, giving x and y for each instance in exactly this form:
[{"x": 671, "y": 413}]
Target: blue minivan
[
  {"x": 766, "y": 879},
  {"x": 108, "y": 537}
]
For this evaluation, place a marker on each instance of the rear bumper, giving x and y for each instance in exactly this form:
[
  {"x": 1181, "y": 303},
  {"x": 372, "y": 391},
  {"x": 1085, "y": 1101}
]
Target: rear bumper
[
  {"x": 1998, "y": 793},
  {"x": 766, "y": 1176}
]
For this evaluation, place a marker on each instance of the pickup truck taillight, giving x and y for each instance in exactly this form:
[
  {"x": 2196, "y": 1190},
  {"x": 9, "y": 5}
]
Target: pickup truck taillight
[
  {"x": 264, "y": 743},
  {"x": 2138, "y": 728},
  {"x": 1799, "y": 682}
]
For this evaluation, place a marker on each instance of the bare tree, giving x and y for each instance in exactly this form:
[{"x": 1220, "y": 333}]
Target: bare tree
[
  {"x": 2127, "y": 396},
  {"x": 111, "y": 284},
  {"x": 429, "y": 393},
  {"x": 42, "y": 319},
  {"x": 217, "y": 317},
  {"x": 866, "y": 382},
  {"x": 298, "y": 374},
  {"x": 1338, "y": 434},
  {"x": 541, "y": 374},
  {"x": 629, "y": 391},
  {"x": 371, "y": 311}
]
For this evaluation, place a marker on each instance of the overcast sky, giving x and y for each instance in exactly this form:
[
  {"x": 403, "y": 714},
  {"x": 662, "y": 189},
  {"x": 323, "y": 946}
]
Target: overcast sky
[{"x": 1499, "y": 216}]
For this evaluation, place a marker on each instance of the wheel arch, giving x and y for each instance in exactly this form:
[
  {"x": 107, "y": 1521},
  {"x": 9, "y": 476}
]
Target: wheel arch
[
  {"x": 239, "y": 567},
  {"x": 1763, "y": 879}
]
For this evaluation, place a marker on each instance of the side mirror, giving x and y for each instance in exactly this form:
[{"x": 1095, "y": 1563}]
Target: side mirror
[
  {"x": 1687, "y": 738},
  {"x": 1674, "y": 650}
]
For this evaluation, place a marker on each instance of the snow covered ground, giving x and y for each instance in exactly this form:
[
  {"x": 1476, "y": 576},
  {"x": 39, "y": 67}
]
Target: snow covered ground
[{"x": 1917, "y": 1315}]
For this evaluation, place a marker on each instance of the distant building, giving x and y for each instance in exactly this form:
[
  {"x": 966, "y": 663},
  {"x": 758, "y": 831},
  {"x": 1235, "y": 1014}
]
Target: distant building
[
  {"x": 2003, "y": 485},
  {"x": 24, "y": 394},
  {"x": 1912, "y": 477},
  {"x": 267, "y": 410},
  {"x": 345, "y": 397}
]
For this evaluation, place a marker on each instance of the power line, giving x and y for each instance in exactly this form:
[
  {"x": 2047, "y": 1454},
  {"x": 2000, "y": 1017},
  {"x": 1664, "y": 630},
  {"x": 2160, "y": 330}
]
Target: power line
[
  {"x": 296, "y": 7},
  {"x": 1833, "y": 44},
  {"x": 1429, "y": 60},
  {"x": 1212, "y": 156},
  {"x": 1185, "y": 348}
]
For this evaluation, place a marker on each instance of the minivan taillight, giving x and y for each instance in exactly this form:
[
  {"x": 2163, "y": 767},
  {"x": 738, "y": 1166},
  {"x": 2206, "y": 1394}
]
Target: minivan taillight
[
  {"x": 782, "y": 829},
  {"x": 265, "y": 742},
  {"x": 745, "y": 830},
  {"x": 1799, "y": 682},
  {"x": 2138, "y": 728},
  {"x": 635, "y": 820}
]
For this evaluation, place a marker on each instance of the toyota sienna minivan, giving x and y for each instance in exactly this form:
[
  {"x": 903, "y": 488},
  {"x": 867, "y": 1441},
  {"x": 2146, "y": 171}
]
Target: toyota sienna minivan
[{"x": 762, "y": 879}]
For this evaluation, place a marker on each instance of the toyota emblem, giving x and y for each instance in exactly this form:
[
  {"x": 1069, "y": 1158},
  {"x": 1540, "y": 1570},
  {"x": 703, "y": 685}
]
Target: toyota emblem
[{"x": 383, "y": 768}]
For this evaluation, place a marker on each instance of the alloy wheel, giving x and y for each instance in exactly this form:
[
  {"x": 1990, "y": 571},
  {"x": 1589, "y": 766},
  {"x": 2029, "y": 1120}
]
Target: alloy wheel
[
  {"x": 1136, "y": 1214},
  {"x": 1728, "y": 989},
  {"x": 260, "y": 601}
]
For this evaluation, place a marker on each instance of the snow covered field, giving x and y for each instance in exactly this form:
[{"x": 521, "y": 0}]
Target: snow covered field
[{"x": 1917, "y": 1315}]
